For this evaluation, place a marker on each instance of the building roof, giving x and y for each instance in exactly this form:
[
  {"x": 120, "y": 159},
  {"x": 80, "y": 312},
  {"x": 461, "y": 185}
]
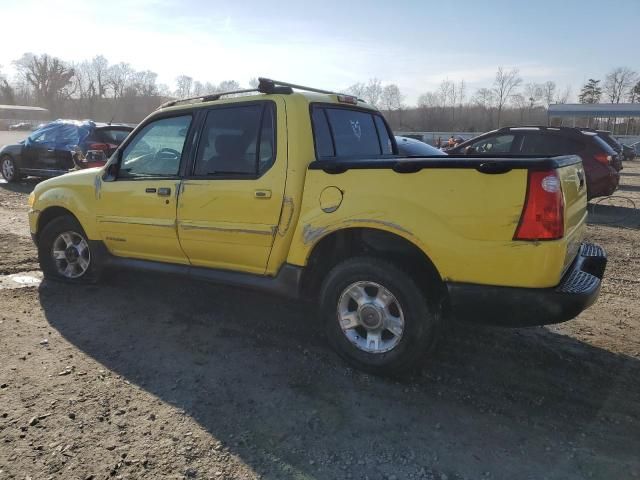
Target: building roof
[
  {"x": 594, "y": 110},
  {"x": 23, "y": 107}
]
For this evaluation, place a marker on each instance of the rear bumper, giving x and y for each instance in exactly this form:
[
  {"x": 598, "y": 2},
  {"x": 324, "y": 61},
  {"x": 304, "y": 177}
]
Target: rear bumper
[
  {"x": 519, "y": 307},
  {"x": 603, "y": 184}
]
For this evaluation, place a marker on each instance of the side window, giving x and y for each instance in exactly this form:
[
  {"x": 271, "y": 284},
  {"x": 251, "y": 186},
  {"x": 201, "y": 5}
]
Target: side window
[
  {"x": 533, "y": 144},
  {"x": 43, "y": 136},
  {"x": 496, "y": 144},
  {"x": 237, "y": 140},
  {"x": 354, "y": 133},
  {"x": 157, "y": 149},
  {"x": 322, "y": 134},
  {"x": 383, "y": 133},
  {"x": 347, "y": 132},
  {"x": 539, "y": 144}
]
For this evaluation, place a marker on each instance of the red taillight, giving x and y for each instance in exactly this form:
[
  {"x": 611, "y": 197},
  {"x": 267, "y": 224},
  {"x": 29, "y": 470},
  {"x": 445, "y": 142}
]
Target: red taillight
[
  {"x": 603, "y": 158},
  {"x": 543, "y": 213}
]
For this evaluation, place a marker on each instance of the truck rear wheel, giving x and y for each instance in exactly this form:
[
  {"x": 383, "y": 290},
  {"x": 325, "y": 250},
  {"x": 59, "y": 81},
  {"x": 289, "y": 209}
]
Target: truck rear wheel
[{"x": 376, "y": 317}]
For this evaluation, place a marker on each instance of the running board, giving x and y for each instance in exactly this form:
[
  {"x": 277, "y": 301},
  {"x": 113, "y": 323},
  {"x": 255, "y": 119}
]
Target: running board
[{"x": 286, "y": 283}]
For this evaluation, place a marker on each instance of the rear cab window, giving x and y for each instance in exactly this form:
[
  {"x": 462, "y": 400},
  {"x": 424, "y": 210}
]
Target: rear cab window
[{"x": 341, "y": 132}]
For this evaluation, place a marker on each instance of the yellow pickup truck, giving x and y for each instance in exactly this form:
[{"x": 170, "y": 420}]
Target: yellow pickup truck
[{"x": 301, "y": 192}]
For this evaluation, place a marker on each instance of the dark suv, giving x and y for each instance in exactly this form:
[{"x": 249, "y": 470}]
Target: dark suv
[
  {"x": 60, "y": 146},
  {"x": 623, "y": 151},
  {"x": 601, "y": 162}
]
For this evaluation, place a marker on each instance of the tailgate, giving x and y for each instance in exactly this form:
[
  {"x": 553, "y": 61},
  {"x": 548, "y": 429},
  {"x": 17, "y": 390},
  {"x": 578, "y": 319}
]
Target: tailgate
[{"x": 574, "y": 189}]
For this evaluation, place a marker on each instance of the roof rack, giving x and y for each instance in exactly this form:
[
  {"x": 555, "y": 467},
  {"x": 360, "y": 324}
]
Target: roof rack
[
  {"x": 541, "y": 127},
  {"x": 265, "y": 85}
]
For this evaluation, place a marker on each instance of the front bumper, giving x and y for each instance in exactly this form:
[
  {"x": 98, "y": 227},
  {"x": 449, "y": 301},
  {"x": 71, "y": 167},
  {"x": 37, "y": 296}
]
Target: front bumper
[{"x": 520, "y": 307}]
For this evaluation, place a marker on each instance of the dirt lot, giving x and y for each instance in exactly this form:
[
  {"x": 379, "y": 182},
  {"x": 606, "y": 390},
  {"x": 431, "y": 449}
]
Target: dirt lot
[{"x": 145, "y": 376}]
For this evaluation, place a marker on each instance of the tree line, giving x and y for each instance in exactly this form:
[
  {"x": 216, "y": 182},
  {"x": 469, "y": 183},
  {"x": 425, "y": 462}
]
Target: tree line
[
  {"x": 94, "y": 88},
  {"x": 102, "y": 90},
  {"x": 507, "y": 101}
]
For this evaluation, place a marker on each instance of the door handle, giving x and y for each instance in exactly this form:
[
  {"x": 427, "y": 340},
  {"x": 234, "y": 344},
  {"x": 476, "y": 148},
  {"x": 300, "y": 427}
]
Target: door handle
[
  {"x": 262, "y": 194},
  {"x": 150, "y": 190},
  {"x": 51, "y": 149},
  {"x": 164, "y": 191}
]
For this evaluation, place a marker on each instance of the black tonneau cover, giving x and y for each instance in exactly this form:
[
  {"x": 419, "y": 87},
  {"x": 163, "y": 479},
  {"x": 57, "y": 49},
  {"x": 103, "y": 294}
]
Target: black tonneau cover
[{"x": 484, "y": 164}]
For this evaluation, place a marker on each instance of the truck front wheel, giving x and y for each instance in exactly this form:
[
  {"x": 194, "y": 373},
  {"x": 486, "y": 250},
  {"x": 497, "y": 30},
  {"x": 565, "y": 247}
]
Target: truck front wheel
[
  {"x": 377, "y": 318},
  {"x": 64, "y": 252}
]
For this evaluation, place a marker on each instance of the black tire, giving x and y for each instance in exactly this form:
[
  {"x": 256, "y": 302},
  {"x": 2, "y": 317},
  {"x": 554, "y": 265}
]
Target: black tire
[
  {"x": 48, "y": 264},
  {"x": 11, "y": 178},
  {"x": 421, "y": 315}
]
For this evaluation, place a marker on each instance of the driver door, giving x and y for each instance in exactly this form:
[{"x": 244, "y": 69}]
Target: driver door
[
  {"x": 39, "y": 150},
  {"x": 137, "y": 210}
]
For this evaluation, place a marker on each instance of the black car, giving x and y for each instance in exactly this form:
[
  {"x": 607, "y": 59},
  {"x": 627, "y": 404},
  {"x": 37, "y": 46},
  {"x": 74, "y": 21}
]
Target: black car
[
  {"x": 601, "y": 162},
  {"x": 60, "y": 146},
  {"x": 410, "y": 147}
]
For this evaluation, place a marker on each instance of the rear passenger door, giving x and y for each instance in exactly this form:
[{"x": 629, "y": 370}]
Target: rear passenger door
[{"x": 231, "y": 200}]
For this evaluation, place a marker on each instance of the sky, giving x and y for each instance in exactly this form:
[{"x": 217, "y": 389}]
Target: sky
[{"x": 333, "y": 44}]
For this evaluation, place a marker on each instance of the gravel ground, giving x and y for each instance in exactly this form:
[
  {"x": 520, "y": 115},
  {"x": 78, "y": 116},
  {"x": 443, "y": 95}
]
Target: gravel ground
[{"x": 147, "y": 376}]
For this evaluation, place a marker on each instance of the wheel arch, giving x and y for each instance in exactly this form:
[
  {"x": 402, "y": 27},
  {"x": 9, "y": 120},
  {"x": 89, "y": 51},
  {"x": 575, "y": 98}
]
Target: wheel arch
[
  {"x": 51, "y": 213},
  {"x": 345, "y": 243}
]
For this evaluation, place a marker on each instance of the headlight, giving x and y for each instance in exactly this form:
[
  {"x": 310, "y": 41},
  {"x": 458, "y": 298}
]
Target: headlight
[{"x": 32, "y": 199}]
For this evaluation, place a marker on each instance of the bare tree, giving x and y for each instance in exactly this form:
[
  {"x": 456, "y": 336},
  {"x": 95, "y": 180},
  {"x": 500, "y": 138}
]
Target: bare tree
[
  {"x": 429, "y": 100},
  {"x": 50, "y": 78},
  {"x": 145, "y": 83},
  {"x": 228, "y": 86},
  {"x": 7, "y": 94},
  {"x": 533, "y": 93},
  {"x": 564, "y": 96},
  {"x": 358, "y": 90},
  {"x": 462, "y": 92},
  {"x": 521, "y": 103},
  {"x": 634, "y": 93},
  {"x": 484, "y": 98},
  {"x": 503, "y": 88},
  {"x": 447, "y": 92},
  {"x": 373, "y": 91},
  {"x": 391, "y": 98},
  {"x": 548, "y": 92},
  {"x": 120, "y": 77},
  {"x": 618, "y": 82},
  {"x": 198, "y": 88},
  {"x": 98, "y": 71},
  {"x": 184, "y": 84}
]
